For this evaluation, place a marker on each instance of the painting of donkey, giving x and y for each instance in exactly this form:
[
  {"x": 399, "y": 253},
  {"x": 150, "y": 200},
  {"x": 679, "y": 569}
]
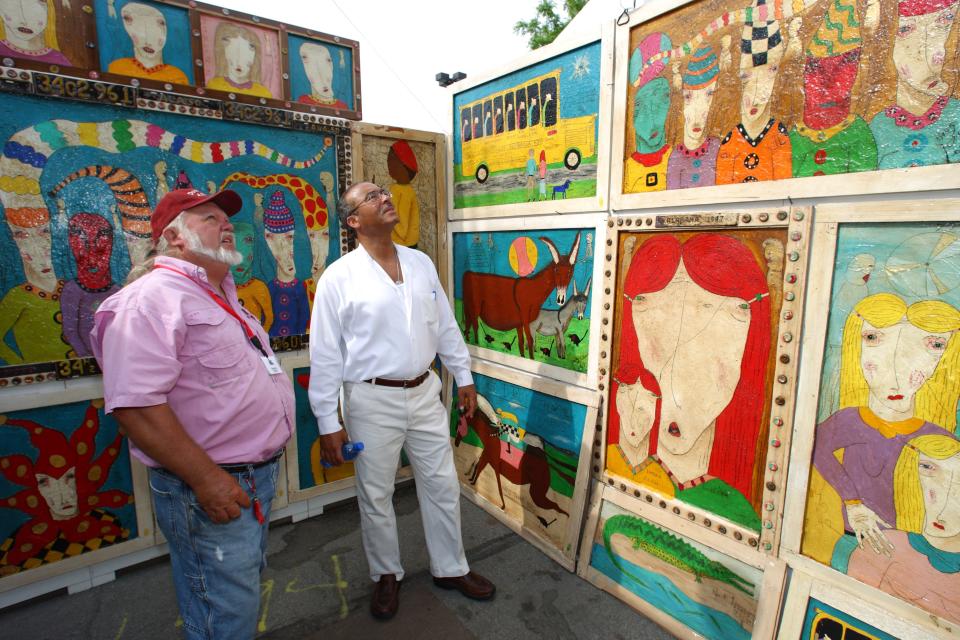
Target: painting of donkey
[
  {"x": 505, "y": 303},
  {"x": 554, "y": 322}
]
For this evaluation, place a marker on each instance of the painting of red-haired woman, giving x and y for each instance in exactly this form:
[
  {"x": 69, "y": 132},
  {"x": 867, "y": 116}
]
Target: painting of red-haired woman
[{"x": 688, "y": 396}]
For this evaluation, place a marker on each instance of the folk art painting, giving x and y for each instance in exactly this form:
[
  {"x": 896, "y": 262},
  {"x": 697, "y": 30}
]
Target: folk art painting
[
  {"x": 694, "y": 349},
  {"x": 530, "y": 135},
  {"x": 310, "y": 471},
  {"x": 882, "y": 503},
  {"x": 66, "y": 487},
  {"x": 321, "y": 73},
  {"x": 77, "y": 193},
  {"x": 134, "y": 37},
  {"x": 526, "y": 294},
  {"x": 668, "y": 574},
  {"x": 731, "y": 91},
  {"x": 823, "y": 621},
  {"x": 45, "y": 33},
  {"x": 520, "y": 456},
  {"x": 407, "y": 168},
  {"x": 240, "y": 57}
]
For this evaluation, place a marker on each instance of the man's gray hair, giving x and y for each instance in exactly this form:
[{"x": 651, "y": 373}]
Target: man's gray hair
[{"x": 344, "y": 209}]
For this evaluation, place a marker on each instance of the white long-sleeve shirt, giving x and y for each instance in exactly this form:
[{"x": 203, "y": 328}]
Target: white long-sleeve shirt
[{"x": 366, "y": 326}]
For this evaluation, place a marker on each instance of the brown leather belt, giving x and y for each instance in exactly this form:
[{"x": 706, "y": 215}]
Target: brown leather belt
[{"x": 403, "y": 384}]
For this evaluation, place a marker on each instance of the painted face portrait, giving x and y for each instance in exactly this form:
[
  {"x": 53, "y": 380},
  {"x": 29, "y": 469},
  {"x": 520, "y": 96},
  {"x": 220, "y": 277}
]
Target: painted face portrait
[
  {"x": 240, "y": 54},
  {"x": 756, "y": 83},
  {"x": 91, "y": 242},
  {"x": 919, "y": 48},
  {"x": 650, "y": 107},
  {"x": 692, "y": 341},
  {"x": 24, "y": 22},
  {"x": 696, "y": 108},
  {"x": 827, "y": 86},
  {"x": 147, "y": 29},
  {"x": 319, "y": 249},
  {"x": 318, "y": 66},
  {"x": 60, "y": 493},
  {"x": 281, "y": 246},
  {"x": 637, "y": 407},
  {"x": 35, "y": 249},
  {"x": 898, "y": 360},
  {"x": 940, "y": 484},
  {"x": 243, "y": 238}
]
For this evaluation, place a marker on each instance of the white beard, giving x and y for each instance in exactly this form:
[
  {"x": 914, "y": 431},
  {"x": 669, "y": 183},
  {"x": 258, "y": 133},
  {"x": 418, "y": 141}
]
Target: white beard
[{"x": 221, "y": 254}]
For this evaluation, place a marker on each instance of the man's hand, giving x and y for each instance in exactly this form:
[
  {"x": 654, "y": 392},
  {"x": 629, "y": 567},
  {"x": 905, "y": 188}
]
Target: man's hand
[
  {"x": 467, "y": 400},
  {"x": 221, "y": 496},
  {"x": 331, "y": 447}
]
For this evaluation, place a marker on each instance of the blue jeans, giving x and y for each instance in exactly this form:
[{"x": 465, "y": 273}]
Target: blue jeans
[{"x": 216, "y": 567}]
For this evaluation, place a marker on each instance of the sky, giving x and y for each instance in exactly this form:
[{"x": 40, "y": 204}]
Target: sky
[{"x": 404, "y": 45}]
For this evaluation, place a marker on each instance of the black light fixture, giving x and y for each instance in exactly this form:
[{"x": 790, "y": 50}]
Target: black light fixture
[{"x": 445, "y": 80}]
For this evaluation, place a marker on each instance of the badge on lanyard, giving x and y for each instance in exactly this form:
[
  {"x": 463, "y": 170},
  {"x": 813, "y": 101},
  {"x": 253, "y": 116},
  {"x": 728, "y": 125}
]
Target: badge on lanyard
[{"x": 270, "y": 362}]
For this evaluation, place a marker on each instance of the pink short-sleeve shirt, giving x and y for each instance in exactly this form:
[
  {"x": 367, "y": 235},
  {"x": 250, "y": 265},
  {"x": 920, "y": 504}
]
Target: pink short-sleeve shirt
[{"x": 164, "y": 339}]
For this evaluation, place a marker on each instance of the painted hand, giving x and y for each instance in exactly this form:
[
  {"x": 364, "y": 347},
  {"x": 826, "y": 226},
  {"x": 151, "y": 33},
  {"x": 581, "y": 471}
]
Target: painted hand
[
  {"x": 331, "y": 446},
  {"x": 467, "y": 400},
  {"x": 221, "y": 497},
  {"x": 866, "y": 526}
]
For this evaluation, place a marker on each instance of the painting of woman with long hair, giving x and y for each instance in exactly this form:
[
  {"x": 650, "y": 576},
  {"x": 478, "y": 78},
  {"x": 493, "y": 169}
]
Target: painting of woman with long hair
[{"x": 689, "y": 386}]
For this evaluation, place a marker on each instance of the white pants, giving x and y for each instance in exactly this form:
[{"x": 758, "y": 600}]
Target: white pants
[{"x": 387, "y": 419}]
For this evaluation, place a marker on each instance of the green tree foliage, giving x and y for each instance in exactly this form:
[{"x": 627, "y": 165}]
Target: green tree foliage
[{"x": 547, "y": 24}]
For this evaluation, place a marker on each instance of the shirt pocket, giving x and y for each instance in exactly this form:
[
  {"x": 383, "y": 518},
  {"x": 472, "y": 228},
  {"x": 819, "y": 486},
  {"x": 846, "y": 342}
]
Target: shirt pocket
[
  {"x": 205, "y": 331},
  {"x": 427, "y": 302},
  {"x": 219, "y": 366}
]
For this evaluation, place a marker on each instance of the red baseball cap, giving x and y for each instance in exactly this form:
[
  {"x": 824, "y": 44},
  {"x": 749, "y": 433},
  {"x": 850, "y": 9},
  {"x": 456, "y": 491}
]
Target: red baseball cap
[{"x": 180, "y": 200}]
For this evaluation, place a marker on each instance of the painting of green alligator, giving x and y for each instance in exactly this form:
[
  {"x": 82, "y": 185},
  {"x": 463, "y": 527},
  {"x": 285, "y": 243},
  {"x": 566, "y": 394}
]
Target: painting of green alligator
[{"x": 670, "y": 549}]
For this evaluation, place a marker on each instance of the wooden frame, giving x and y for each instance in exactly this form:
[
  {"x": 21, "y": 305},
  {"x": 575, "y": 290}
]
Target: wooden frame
[
  {"x": 805, "y": 586},
  {"x": 596, "y": 201},
  {"x": 531, "y": 225},
  {"x": 781, "y": 399},
  {"x": 564, "y": 554},
  {"x": 920, "y": 178},
  {"x": 769, "y": 589},
  {"x": 829, "y": 218},
  {"x": 362, "y": 130},
  {"x": 67, "y": 393}
]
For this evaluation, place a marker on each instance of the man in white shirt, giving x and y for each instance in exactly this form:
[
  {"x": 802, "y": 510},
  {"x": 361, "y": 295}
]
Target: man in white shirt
[{"x": 379, "y": 320}]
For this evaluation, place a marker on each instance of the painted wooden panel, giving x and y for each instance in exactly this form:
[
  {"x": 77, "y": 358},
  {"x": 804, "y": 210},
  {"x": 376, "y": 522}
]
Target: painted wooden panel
[
  {"x": 690, "y": 588},
  {"x": 66, "y": 489},
  {"x": 523, "y": 293},
  {"x": 522, "y": 456},
  {"x": 726, "y": 93},
  {"x": 881, "y": 501},
  {"x": 703, "y": 311},
  {"x": 824, "y": 621},
  {"x": 48, "y": 35},
  {"x": 77, "y": 185},
  {"x": 534, "y": 134}
]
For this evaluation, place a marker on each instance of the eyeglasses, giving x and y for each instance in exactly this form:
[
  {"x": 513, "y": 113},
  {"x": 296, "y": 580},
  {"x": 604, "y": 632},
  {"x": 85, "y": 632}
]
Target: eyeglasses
[{"x": 374, "y": 195}]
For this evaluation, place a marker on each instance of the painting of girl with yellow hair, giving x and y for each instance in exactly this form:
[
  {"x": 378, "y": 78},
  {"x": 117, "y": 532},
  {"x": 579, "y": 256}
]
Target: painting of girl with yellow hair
[
  {"x": 899, "y": 380},
  {"x": 923, "y": 566}
]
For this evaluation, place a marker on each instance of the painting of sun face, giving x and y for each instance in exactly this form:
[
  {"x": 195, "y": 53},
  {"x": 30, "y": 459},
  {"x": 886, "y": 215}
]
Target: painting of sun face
[
  {"x": 692, "y": 363},
  {"x": 733, "y": 92},
  {"x": 883, "y": 495}
]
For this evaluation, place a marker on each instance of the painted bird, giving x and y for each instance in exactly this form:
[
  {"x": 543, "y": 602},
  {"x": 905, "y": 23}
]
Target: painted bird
[
  {"x": 575, "y": 339},
  {"x": 509, "y": 345}
]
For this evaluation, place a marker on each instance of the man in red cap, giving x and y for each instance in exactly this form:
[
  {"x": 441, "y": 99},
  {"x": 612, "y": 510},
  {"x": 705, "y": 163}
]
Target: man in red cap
[{"x": 189, "y": 375}]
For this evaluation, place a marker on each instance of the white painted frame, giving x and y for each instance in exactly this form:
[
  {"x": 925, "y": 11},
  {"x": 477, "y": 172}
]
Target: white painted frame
[
  {"x": 867, "y": 182},
  {"x": 797, "y": 221},
  {"x": 602, "y": 33},
  {"x": 590, "y": 399},
  {"x": 594, "y": 221},
  {"x": 770, "y": 589},
  {"x": 921, "y": 624}
]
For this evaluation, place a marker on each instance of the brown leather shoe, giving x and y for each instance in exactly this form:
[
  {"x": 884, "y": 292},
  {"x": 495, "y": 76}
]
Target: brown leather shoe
[
  {"x": 473, "y": 585},
  {"x": 386, "y": 597}
]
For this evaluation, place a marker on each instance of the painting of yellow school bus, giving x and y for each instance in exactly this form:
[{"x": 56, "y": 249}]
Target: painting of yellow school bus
[{"x": 531, "y": 135}]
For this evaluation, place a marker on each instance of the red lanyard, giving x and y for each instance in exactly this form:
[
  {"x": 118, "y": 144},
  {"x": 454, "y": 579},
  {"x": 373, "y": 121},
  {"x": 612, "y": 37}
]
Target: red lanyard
[{"x": 251, "y": 336}]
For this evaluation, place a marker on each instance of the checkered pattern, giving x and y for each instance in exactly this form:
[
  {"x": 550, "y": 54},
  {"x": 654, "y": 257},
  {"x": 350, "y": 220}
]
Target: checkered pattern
[
  {"x": 62, "y": 548},
  {"x": 759, "y": 39}
]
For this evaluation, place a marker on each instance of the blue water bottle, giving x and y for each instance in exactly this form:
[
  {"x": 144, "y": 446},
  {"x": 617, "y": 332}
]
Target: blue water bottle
[{"x": 349, "y": 450}]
